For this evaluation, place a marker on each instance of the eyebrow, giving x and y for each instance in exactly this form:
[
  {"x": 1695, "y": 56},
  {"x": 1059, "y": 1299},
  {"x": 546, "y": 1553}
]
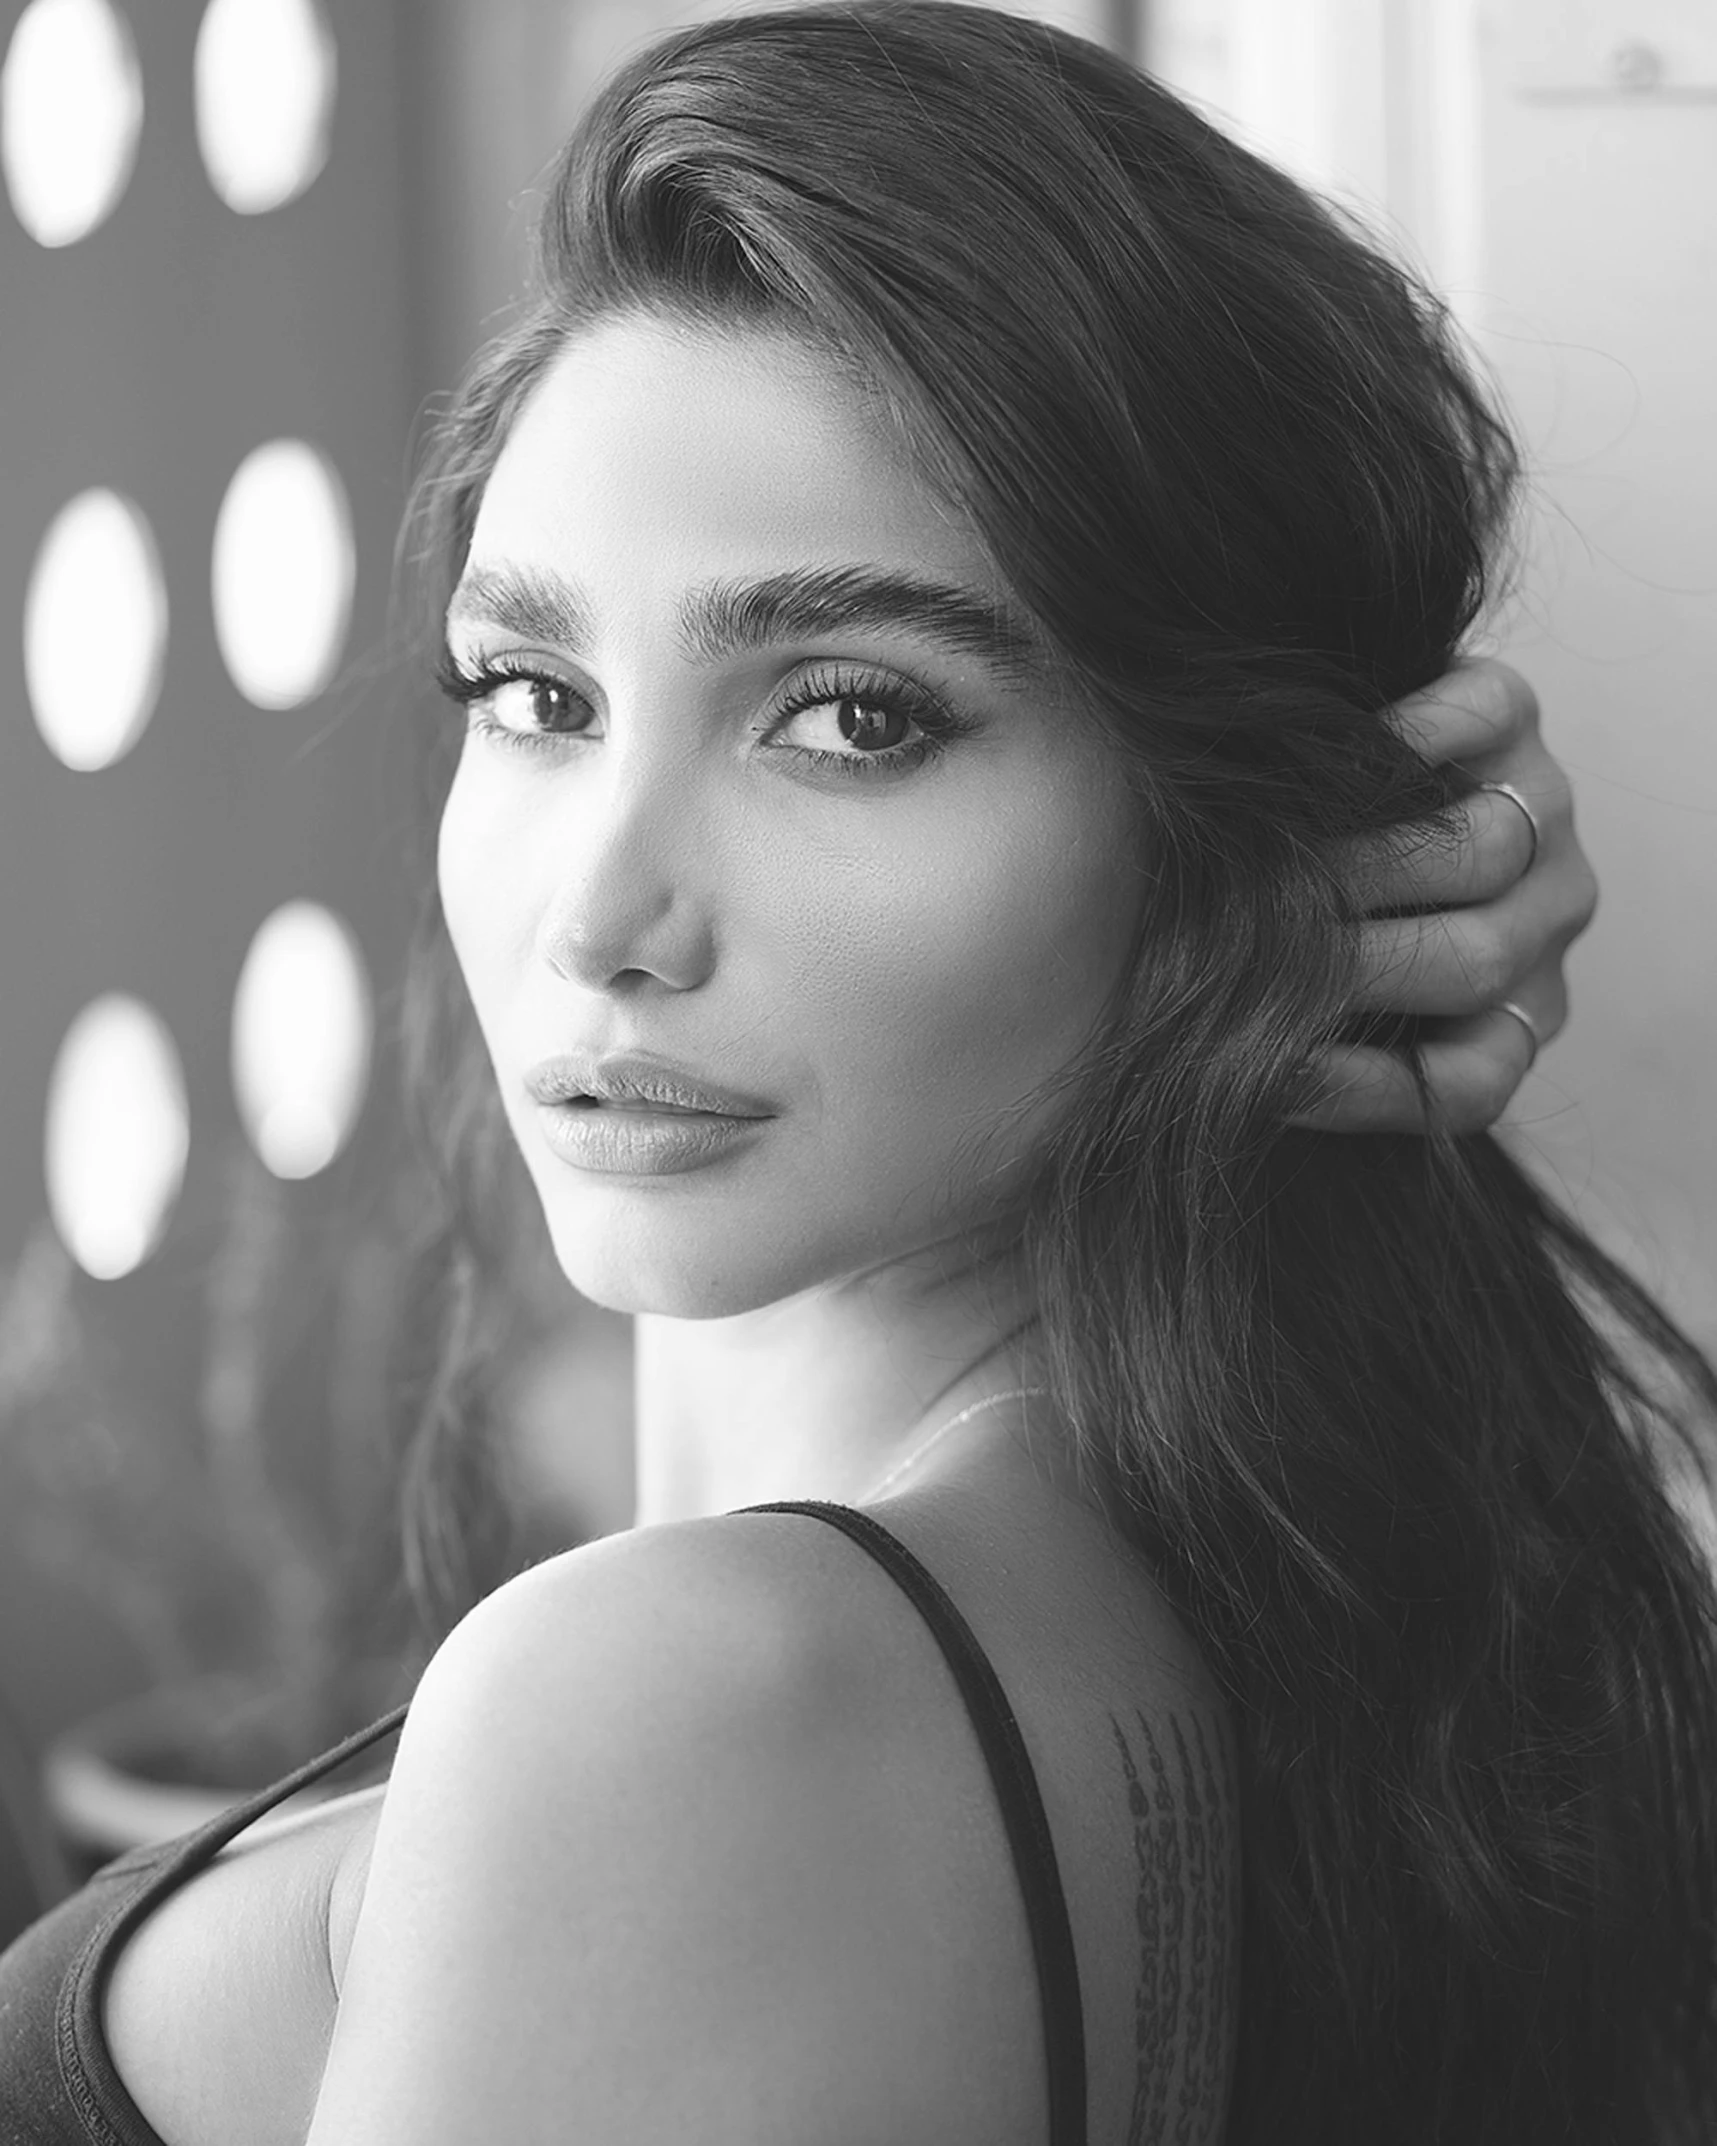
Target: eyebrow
[{"x": 725, "y": 617}]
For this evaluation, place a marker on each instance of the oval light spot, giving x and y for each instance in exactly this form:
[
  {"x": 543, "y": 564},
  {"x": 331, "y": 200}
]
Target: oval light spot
[
  {"x": 283, "y": 572},
  {"x": 265, "y": 74},
  {"x": 71, "y": 109},
  {"x": 301, "y": 1038},
  {"x": 95, "y": 629},
  {"x": 117, "y": 1135}
]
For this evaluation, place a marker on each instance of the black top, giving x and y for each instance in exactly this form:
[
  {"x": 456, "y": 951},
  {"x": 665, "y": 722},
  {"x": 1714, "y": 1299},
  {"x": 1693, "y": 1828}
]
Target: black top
[{"x": 58, "y": 2085}]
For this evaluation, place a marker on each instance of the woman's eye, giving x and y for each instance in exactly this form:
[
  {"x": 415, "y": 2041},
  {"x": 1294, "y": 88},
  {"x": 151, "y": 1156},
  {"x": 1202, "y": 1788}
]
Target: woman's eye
[
  {"x": 537, "y": 706},
  {"x": 858, "y": 726},
  {"x": 527, "y": 708},
  {"x": 850, "y": 721}
]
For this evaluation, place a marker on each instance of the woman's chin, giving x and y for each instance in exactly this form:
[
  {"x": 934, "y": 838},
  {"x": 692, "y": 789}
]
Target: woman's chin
[{"x": 678, "y": 1277}]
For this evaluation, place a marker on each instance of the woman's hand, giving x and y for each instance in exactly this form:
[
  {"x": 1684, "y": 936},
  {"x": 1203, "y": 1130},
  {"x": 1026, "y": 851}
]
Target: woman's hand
[{"x": 1505, "y": 937}]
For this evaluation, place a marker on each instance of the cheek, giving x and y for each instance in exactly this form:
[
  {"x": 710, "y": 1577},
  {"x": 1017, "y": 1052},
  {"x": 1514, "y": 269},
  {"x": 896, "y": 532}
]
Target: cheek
[{"x": 939, "y": 987}]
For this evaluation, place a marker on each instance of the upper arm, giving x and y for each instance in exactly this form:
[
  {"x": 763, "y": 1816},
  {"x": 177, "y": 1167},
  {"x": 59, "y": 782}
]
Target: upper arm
[{"x": 611, "y": 1874}]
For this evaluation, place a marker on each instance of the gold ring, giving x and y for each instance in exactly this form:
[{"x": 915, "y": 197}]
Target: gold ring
[
  {"x": 1531, "y": 1027},
  {"x": 1507, "y": 789}
]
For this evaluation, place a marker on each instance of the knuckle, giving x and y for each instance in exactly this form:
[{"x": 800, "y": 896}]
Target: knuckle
[
  {"x": 1556, "y": 1022},
  {"x": 1521, "y": 699},
  {"x": 1467, "y": 1105},
  {"x": 1492, "y": 1092},
  {"x": 1477, "y": 1090},
  {"x": 1574, "y": 915},
  {"x": 1554, "y": 796},
  {"x": 1507, "y": 701}
]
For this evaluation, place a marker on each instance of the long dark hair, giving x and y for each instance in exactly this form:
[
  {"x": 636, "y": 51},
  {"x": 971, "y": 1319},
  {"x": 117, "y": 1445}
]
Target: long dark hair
[{"x": 1383, "y": 1420}]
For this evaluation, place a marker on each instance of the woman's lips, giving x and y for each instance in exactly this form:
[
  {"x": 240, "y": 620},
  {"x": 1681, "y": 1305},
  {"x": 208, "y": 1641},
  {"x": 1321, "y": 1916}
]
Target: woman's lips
[
  {"x": 642, "y": 1140},
  {"x": 638, "y": 1079},
  {"x": 665, "y": 1110}
]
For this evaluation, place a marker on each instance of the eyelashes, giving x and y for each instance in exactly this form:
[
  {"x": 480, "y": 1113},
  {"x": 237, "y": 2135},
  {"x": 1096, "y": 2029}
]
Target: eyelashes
[
  {"x": 859, "y": 696},
  {"x": 469, "y": 686}
]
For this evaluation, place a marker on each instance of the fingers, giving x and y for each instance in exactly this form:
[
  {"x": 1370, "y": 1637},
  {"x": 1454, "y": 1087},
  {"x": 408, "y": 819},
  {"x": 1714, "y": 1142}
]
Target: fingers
[
  {"x": 1473, "y": 1069},
  {"x": 1454, "y": 962},
  {"x": 1491, "y": 733},
  {"x": 1462, "y": 961},
  {"x": 1473, "y": 853},
  {"x": 1477, "y": 710},
  {"x": 1500, "y": 920}
]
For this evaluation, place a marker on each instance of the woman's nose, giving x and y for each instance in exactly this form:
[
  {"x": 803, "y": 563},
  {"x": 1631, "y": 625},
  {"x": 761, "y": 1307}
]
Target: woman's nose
[{"x": 631, "y": 904}]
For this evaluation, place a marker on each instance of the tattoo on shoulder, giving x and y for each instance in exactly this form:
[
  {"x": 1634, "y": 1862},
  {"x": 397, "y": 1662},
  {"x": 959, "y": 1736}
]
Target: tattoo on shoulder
[{"x": 1183, "y": 1801}]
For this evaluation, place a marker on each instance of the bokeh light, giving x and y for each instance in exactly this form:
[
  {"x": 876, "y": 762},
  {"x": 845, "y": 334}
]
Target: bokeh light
[
  {"x": 265, "y": 77},
  {"x": 283, "y": 573},
  {"x": 301, "y": 1038},
  {"x": 71, "y": 109},
  {"x": 117, "y": 1135},
  {"x": 95, "y": 629}
]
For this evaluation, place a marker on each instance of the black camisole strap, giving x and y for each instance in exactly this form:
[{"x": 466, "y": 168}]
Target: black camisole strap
[{"x": 1022, "y": 1805}]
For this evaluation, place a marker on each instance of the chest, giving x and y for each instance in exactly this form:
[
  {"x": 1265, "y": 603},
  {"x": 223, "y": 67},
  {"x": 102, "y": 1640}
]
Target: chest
[{"x": 219, "y": 2008}]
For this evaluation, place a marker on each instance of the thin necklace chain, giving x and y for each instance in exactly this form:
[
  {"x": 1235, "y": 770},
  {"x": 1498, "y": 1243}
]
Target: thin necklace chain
[{"x": 993, "y": 1400}]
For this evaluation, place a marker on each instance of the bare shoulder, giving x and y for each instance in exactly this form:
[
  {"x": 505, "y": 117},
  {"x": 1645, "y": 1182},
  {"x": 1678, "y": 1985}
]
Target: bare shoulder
[
  {"x": 765, "y": 1785},
  {"x": 641, "y": 1794},
  {"x": 667, "y": 1637},
  {"x": 649, "y": 1593},
  {"x": 219, "y": 2008},
  {"x": 605, "y": 1613}
]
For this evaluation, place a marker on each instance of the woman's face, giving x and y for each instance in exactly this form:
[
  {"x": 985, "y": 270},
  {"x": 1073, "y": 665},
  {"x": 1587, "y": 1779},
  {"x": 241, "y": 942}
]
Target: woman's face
[{"x": 878, "y": 922}]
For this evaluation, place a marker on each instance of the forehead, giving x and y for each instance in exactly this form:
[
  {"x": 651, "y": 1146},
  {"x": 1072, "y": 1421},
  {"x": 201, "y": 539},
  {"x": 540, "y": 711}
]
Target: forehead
[{"x": 704, "y": 447}]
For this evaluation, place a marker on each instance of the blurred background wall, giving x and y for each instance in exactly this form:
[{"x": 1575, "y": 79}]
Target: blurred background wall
[
  {"x": 206, "y": 388},
  {"x": 208, "y": 403}
]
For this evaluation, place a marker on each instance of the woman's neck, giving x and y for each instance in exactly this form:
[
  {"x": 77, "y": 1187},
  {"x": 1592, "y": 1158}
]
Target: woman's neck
[{"x": 820, "y": 1395}]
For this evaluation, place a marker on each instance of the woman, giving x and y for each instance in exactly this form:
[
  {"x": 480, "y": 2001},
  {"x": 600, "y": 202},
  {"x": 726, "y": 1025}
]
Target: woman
[{"x": 926, "y": 585}]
